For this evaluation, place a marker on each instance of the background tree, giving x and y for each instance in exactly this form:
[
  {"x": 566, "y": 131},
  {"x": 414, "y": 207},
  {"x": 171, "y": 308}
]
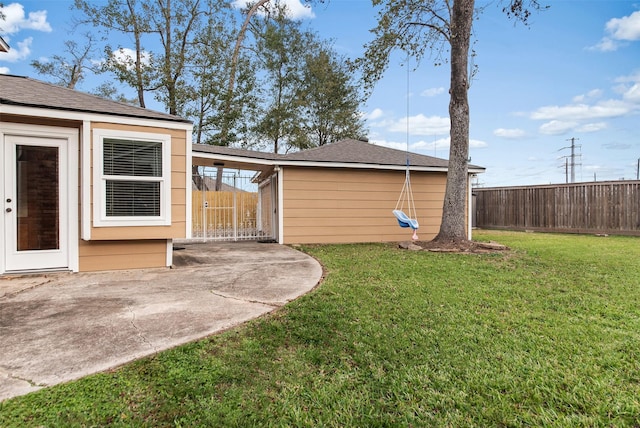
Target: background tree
[
  {"x": 122, "y": 16},
  {"x": 310, "y": 96},
  {"x": 68, "y": 70},
  {"x": 280, "y": 49},
  {"x": 331, "y": 101},
  {"x": 210, "y": 69},
  {"x": 242, "y": 93},
  {"x": 176, "y": 23},
  {"x": 109, "y": 90},
  {"x": 435, "y": 28}
]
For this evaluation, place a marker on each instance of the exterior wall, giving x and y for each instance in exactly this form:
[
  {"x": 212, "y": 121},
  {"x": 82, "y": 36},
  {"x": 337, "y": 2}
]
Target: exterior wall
[
  {"x": 336, "y": 205},
  {"x": 112, "y": 248},
  {"x": 178, "y": 191},
  {"x": 114, "y": 255}
]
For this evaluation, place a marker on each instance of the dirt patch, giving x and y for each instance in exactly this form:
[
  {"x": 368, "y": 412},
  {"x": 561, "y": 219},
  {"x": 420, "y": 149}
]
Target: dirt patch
[{"x": 469, "y": 247}]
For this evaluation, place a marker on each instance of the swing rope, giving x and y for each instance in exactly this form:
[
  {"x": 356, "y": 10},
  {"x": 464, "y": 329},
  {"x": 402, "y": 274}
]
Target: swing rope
[{"x": 406, "y": 194}]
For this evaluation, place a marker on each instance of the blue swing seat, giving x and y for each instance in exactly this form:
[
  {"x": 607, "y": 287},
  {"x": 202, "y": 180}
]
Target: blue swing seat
[{"x": 405, "y": 221}]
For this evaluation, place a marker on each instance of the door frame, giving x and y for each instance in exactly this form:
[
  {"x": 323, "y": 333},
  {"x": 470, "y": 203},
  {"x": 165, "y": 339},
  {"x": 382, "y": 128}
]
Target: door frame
[{"x": 69, "y": 180}]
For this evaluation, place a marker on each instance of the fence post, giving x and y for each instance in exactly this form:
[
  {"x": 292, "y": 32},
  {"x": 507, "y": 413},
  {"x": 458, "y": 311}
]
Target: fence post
[{"x": 235, "y": 208}]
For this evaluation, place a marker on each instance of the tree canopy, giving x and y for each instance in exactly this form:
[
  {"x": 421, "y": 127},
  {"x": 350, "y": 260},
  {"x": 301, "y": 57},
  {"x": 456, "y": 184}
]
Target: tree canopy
[{"x": 258, "y": 81}]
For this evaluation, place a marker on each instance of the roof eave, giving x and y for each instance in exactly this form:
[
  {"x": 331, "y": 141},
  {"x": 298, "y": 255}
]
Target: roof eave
[
  {"x": 79, "y": 115},
  {"x": 234, "y": 158}
]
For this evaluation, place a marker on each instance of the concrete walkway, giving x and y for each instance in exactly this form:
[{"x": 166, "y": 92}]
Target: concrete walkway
[{"x": 59, "y": 327}]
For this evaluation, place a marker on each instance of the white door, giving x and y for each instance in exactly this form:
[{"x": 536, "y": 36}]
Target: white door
[{"x": 35, "y": 205}]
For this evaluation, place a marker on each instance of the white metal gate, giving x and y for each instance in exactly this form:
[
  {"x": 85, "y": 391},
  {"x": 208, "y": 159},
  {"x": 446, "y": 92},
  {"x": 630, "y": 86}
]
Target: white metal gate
[{"x": 240, "y": 210}]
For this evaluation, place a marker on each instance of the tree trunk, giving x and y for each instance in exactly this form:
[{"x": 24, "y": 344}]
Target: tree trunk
[{"x": 453, "y": 227}]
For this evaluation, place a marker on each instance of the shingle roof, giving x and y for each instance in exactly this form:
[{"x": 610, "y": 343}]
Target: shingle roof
[
  {"x": 361, "y": 152},
  {"x": 343, "y": 152},
  {"x": 24, "y": 91},
  {"x": 229, "y": 151}
]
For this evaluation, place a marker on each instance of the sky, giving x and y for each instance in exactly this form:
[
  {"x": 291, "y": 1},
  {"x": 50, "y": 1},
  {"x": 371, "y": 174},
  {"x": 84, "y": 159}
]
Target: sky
[{"x": 572, "y": 77}]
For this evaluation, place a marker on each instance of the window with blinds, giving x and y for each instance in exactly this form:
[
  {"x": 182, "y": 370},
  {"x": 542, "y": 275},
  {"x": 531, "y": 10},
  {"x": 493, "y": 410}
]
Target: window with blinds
[
  {"x": 131, "y": 178},
  {"x": 132, "y": 172}
]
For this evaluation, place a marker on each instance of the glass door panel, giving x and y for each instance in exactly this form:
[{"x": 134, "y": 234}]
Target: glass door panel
[{"x": 37, "y": 198}]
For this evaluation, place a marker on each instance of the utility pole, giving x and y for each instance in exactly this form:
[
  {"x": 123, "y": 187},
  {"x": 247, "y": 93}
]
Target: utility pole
[
  {"x": 573, "y": 158},
  {"x": 638, "y": 170}
]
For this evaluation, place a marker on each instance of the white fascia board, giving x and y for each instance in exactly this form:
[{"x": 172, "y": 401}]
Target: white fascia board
[{"x": 93, "y": 117}]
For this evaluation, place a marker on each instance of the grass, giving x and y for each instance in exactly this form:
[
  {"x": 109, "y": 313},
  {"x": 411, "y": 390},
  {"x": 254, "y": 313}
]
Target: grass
[{"x": 547, "y": 335}]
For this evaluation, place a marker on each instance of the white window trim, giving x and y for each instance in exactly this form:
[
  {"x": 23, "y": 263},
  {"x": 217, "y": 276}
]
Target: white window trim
[{"x": 100, "y": 218}]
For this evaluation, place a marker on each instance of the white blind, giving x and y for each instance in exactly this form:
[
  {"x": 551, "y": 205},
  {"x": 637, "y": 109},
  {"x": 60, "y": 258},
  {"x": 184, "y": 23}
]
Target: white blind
[
  {"x": 132, "y": 198},
  {"x": 127, "y": 159},
  {"x": 132, "y": 158}
]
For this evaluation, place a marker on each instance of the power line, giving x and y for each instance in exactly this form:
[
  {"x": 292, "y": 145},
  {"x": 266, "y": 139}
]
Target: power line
[{"x": 571, "y": 166}]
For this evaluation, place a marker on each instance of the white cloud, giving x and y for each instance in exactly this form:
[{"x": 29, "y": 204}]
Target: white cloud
[
  {"x": 438, "y": 148},
  {"x": 632, "y": 94},
  {"x": 390, "y": 144},
  {"x": 477, "y": 144},
  {"x": 632, "y": 78},
  {"x": 421, "y": 125},
  {"x": 557, "y": 127},
  {"x": 127, "y": 57},
  {"x": 625, "y": 29},
  {"x": 431, "y": 147},
  {"x": 432, "y": 92},
  {"x": 513, "y": 134},
  {"x": 375, "y": 114},
  {"x": 295, "y": 9},
  {"x": 586, "y": 113},
  {"x": 592, "y": 127},
  {"x": 605, "y": 45},
  {"x": 18, "y": 52},
  {"x": 4, "y": 70},
  {"x": 604, "y": 109},
  {"x": 594, "y": 93},
  {"x": 15, "y": 20}
]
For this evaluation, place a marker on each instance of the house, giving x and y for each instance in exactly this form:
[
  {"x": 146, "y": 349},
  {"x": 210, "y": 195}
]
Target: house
[
  {"x": 88, "y": 184},
  {"x": 342, "y": 192}
]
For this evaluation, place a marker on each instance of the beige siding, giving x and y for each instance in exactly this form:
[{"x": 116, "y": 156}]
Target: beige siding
[
  {"x": 113, "y": 255},
  {"x": 178, "y": 191},
  {"x": 331, "y": 205},
  {"x": 114, "y": 248}
]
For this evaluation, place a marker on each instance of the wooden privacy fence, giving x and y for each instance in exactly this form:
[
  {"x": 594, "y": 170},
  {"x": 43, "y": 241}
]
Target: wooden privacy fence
[{"x": 599, "y": 207}]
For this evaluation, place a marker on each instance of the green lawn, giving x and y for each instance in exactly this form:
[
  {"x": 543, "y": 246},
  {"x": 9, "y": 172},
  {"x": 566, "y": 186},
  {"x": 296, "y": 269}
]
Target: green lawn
[{"x": 546, "y": 335}]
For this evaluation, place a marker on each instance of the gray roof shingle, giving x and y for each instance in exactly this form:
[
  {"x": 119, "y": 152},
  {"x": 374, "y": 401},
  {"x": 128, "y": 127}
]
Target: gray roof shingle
[
  {"x": 230, "y": 151},
  {"x": 345, "y": 152},
  {"x": 361, "y": 152},
  {"x": 27, "y": 92}
]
